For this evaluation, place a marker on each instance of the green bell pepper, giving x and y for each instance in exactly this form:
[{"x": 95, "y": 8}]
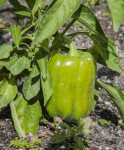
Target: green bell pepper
[{"x": 73, "y": 81}]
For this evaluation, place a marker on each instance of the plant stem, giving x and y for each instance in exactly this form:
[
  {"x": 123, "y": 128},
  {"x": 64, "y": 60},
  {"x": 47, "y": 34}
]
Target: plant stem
[
  {"x": 25, "y": 30},
  {"x": 65, "y": 30},
  {"x": 52, "y": 125},
  {"x": 17, "y": 125},
  {"x": 26, "y": 45},
  {"x": 62, "y": 34}
]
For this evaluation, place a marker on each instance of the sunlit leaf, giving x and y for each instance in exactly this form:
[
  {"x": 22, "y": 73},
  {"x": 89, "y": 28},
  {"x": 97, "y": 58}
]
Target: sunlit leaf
[
  {"x": 117, "y": 96},
  {"x": 85, "y": 16},
  {"x": 33, "y": 5},
  {"x": 16, "y": 34},
  {"x": 22, "y": 12},
  {"x": 104, "y": 45},
  {"x": 57, "y": 15},
  {"x": 116, "y": 8},
  {"x": 19, "y": 9},
  {"x": 42, "y": 59},
  {"x": 5, "y": 51},
  {"x": 32, "y": 114},
  {"x": 31, "y": 85},
  {"x": 45, "y": 75},
  {"x": 26, "y": 115},
  {"x": 2, "y": 2},
  {"x": 8, "y": 90},
  {"x": 16, "y": 64}
]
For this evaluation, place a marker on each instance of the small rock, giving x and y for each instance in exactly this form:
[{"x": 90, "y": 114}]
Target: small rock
[
  {"x": 108, "y": 81},
  {"x": 108, "y": 103},
  {"x": 1, "y": 145},
  {"x": 121, "y": 148},
  {"x": 59, "y": 128},
  {"x": 107, "y": 148},
  {"x": 119, "y": 132},
  {"x": 109, "y": 27},
  {"x": 120, "y": 34},
  {"x": 62, "y": 147}
]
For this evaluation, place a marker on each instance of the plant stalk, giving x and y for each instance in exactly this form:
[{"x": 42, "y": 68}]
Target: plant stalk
[
  {"x": 25, "y": 30},
  {"x": 62, "y": 34}
]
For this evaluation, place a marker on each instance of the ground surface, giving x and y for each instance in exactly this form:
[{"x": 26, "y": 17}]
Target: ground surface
[{"x": 103, "y": 137}]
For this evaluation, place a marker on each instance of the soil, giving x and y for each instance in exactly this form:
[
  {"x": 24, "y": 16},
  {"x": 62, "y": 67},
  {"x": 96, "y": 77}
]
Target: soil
[{"x": 107, "y": 137}]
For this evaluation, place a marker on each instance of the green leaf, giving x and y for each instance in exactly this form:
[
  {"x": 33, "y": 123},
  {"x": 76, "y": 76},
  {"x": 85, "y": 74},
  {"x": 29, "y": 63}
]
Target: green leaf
[
  {"x": 1, "y": 66},
  {"x": 27, "y": 115},
  {"x": 65, "y": 125},
  {"x": 116, "y": 8},
  {"x": 19, "y": 9},
  {"x": 5, "y": 51},
  {"x": 33, "y": 5},
  {"x": 47, "y": 87},
  {"x": 16, "y": 122},
  {"x": 15, "y": 3},
  {"x": 85, "y": 16},
  {"x": 117, "y": 96},
  {"x": 31, "y": 86},
  {"x": 92, "y": 2},
  {"x": 20, "y": 104},
  {"x": 104, "y": 45},
  {"x": 16, "y": 34},
  {"x": 58, "y": 138},
  {"x": 42, "y": 59},
  {"x": 96, "y": 96},
  {"x": 96, "y": 55},
  {"x": 8, "y": 90},
  {"x": 106, "y": 48},
  {"x": 16, "y": 64},
  {"x": 56, "y": 16},
  {"x": 79, "y": 142},
  {"x": 22, "y": 11},
  {"x": 32, "y": 114},
  {"x": 2, "y": 2}
]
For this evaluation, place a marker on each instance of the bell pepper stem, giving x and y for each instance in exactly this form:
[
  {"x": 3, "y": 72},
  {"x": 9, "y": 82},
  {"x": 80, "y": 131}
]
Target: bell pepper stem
[{"x": 73, "y": 51}]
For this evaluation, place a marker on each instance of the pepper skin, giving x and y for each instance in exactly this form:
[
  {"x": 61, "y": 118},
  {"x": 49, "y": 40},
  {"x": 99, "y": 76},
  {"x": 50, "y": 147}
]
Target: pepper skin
[{"x": 73, "y": 81}]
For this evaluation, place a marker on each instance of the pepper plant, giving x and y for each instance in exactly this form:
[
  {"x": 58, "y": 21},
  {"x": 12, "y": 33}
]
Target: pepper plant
[{"x": 37, "y": 49}]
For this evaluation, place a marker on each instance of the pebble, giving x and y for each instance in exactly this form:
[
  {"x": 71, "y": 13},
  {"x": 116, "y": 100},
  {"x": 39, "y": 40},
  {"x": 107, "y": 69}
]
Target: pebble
[
  {"x": 109, "y": 81},
  {"x": 62, "y": 147},
  {"x": 107, "y": 148},
  {"x": 100, "y": 99},
  {"x": 108, "y": 103},
  {"x": 1, "y": 145},
  {"x": 59, "y": 127},
  {"x": 120, "y": 34},
  {"x": 109, "y": 27},
  {"x": 119, "y": 132}
]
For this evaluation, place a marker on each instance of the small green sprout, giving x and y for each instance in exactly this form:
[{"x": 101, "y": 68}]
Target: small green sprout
[
  {"x": 104, "y": 122},
  {"x": 24, "y": 144}
]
